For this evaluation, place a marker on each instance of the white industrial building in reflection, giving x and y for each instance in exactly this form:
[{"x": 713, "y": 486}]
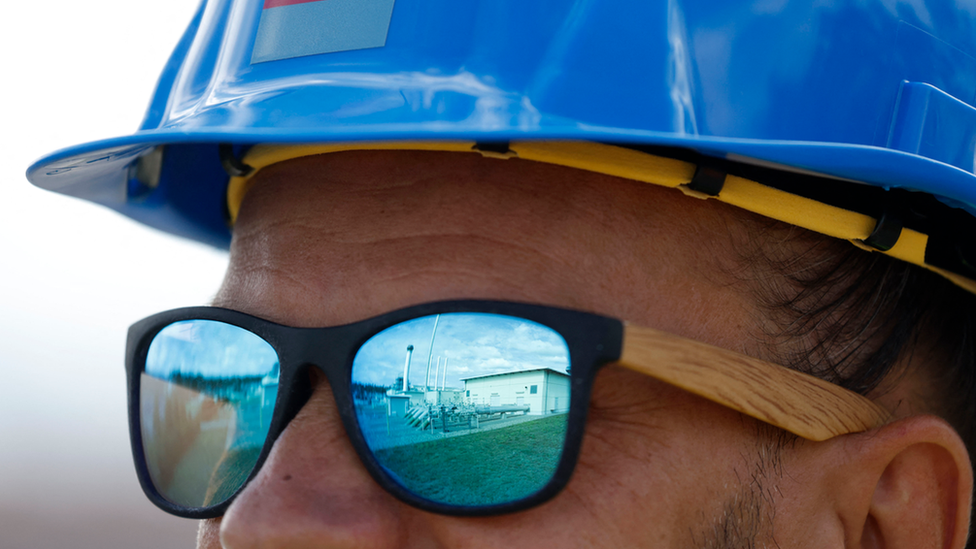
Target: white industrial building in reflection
[{"x": 544, "y": 390}]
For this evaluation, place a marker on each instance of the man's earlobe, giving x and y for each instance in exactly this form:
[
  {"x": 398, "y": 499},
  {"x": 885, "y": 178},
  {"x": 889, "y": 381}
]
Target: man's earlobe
[{"x": 922, "y": 486}]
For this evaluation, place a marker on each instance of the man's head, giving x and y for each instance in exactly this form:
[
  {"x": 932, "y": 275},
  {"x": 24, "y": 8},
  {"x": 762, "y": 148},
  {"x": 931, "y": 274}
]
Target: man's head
[
  {"x": 331, "y": 239},
  {"x": 698, "y": 182}
]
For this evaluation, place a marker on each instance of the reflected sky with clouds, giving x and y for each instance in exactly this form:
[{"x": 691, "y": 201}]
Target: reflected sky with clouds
[
  {"x": 210, "y": 349},
  {"x": 473, "y": 344}
]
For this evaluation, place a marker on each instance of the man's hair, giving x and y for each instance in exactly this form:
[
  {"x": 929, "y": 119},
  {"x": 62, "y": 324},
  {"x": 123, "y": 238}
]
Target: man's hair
[{"x": 861, "y": 319}]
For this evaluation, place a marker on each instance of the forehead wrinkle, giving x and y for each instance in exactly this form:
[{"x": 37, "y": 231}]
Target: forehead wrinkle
[
  {"x": 463, "y": 246},
  {"x": 297, "y": 241},
  {"x": 474, "y": 272},
  {"x": 351, "y": 174}
]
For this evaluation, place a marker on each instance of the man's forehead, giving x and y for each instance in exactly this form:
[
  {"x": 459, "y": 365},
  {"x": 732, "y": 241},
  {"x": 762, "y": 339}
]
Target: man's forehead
[
  {"x": 436, "y": 194},
  {"x": 421, "y": 178},
  {"x": 434, "y": 225}
]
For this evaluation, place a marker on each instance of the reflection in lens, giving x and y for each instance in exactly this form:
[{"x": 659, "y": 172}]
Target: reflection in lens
[
  {"x": 207, "y": 396},
  {"x": 465, "y": 408}
]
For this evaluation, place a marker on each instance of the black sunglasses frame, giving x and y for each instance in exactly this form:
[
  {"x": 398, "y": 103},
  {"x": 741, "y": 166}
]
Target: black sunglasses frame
[{"x": 593, "y": 342}]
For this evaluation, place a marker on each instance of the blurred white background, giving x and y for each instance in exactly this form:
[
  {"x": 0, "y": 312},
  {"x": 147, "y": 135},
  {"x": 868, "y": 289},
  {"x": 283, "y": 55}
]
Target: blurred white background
[{"x": 73, "y": 276}]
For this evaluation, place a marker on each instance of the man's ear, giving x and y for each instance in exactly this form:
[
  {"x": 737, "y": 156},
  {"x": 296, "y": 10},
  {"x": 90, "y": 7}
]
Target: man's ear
[{"x": 907, "y": 485}]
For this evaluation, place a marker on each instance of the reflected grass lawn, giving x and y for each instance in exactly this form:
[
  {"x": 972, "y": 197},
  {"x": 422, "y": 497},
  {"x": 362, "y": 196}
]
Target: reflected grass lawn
[{"x": 489, "y": 467}]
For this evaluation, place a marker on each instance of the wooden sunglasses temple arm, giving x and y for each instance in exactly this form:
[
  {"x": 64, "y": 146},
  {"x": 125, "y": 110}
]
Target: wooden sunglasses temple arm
[{"x": 799, "y": 403}]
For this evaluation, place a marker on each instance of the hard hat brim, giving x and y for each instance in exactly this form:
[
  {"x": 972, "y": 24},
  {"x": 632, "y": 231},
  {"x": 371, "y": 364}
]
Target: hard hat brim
[{"x": 100, "y": 171}]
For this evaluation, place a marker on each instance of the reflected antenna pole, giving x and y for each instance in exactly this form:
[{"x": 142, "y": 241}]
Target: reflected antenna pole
[
  {"x": 444, "y": 379},
  {"x": 430, "y": 352},
  {"x": 437, "y": 371}
]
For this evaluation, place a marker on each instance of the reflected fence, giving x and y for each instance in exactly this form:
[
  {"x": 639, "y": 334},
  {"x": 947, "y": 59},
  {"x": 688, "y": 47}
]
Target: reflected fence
[
  {"x": 447, "y": 419},
  {"x": 396, "y": 419}
]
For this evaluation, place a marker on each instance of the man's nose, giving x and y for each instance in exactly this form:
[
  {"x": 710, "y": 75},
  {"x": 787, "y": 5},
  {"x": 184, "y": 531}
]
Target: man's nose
[{"x": 313, "y": 490}]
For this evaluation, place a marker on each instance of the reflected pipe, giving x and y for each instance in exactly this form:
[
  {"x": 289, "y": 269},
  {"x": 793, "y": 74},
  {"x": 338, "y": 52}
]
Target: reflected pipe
[{"x": 406, "y": 367}]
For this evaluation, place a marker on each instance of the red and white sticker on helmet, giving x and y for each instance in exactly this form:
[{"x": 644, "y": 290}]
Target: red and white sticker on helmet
[{"x": 295, "y": 28}]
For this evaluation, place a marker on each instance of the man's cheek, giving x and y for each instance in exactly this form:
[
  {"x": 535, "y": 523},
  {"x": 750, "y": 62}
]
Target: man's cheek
[
  {"x": 208, "y": 535},
  {"x": 625, "y": 461},
  {"x": 634, "y": 413}
]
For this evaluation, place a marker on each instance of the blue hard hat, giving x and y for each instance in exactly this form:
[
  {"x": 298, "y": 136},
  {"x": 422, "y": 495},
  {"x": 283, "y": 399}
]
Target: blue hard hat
[{"x": 875, "y": 92}]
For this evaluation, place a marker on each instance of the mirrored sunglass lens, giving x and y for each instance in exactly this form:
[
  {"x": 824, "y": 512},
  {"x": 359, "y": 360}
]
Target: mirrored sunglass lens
[
  {"x": 465, "y": 409},
  {"x": 207, "y": 395}
]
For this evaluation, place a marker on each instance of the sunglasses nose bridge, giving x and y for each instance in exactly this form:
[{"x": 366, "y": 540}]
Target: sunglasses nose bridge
[
  {"x": 325, "y": 357},
  {"x": 318, "y": 353},
  {"x": 298, "y": 383}
]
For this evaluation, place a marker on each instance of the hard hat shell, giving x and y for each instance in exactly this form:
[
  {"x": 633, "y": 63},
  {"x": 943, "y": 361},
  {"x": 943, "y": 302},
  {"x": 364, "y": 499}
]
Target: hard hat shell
[{"x": 878, "y": 92}]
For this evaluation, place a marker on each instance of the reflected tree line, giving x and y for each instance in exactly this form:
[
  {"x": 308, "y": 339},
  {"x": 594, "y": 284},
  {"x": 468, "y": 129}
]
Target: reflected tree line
[
  {"x": 368, "y": 392},
  {"x": 230, "y": 389}
]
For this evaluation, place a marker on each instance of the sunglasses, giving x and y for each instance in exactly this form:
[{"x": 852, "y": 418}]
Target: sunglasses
[{"x": 457, "y": 407}]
